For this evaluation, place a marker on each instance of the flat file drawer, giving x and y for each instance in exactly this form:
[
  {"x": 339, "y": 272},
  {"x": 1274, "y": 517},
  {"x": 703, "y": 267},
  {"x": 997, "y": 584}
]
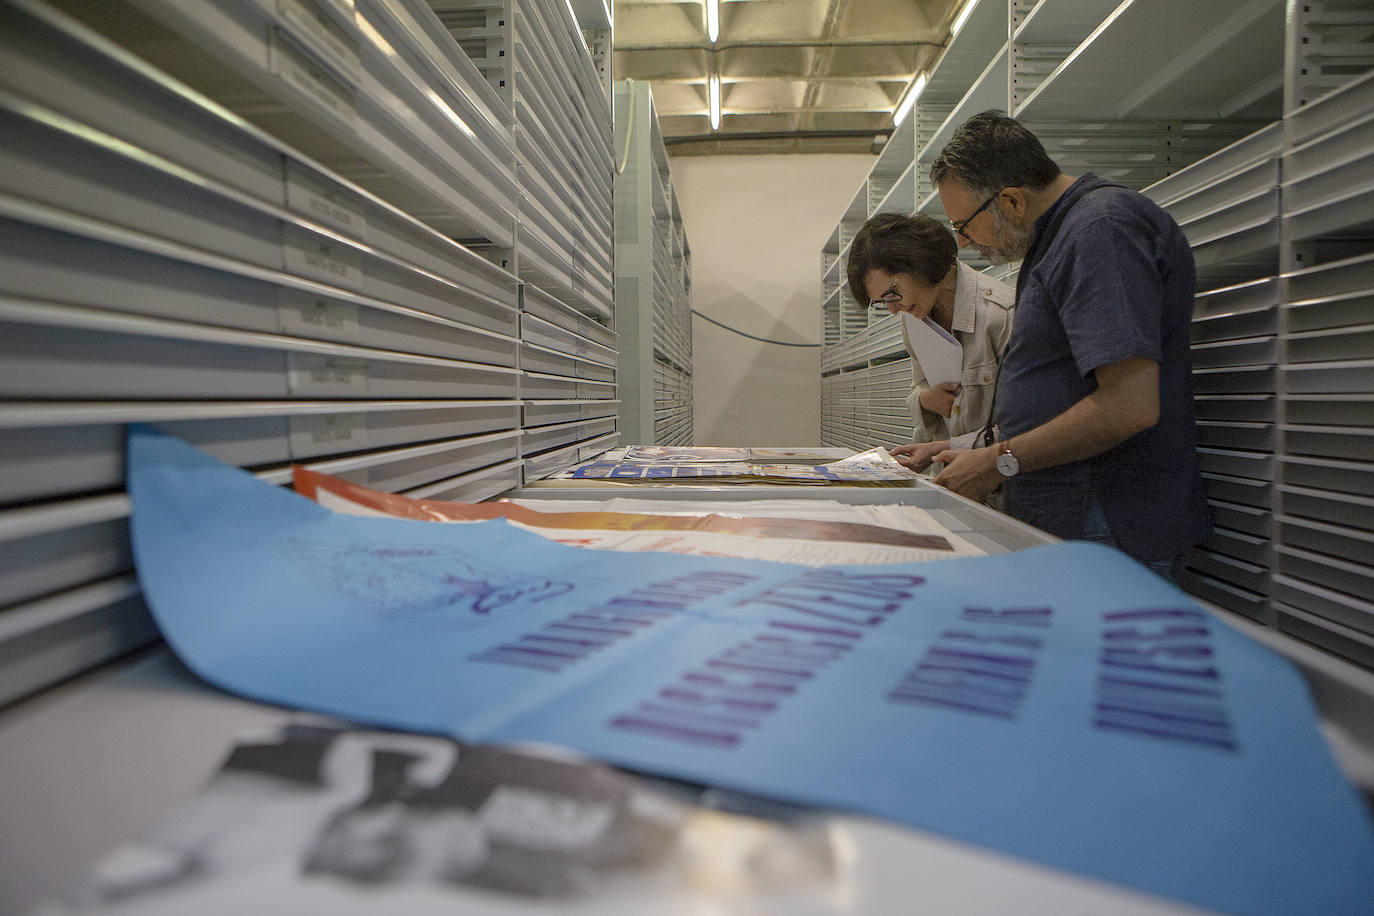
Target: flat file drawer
[
  {"x": 48, "y": 549},
  {"x": 545, "y": 438},
  {"x": 1337, "y": 377},
  {"x": 546, "y": 307},
  {"x": 48, "y": 450},
  {"x": 65, "y": 69},
  {"x": 538, "y": 359},
  {"x": 319, "y": 83},
  {"x": 91, "y": 264},
  {"x": 1242, "y": 490},
  {"x": 473, "y": 486},
  {"x": 535, "y": 385},
  {"x": 204, "y": 220},
  {"x": 540, "y": 466},
  {"x": 60, "y": 545},
  {"x": 1354, "y": 580},
  {"x": 1239, "y": 545},
  {"x": 415, "y": 466},
  {"x": 1253, "y": 408},
  {"x": 1327, "y": 506},
  {"x": 1329, "y": 181},
  {"x": 60, "y": 351},
  {"x": 1355, "y": 477},
  {"x": 542, "y": 413}
]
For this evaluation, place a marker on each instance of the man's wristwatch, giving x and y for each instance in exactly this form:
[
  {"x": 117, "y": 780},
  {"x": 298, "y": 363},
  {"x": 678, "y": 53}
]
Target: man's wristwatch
[{"x": 1007, "y": 465}]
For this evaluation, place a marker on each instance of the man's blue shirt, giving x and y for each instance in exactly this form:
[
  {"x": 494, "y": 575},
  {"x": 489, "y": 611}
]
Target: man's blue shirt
[{"x": 1116, "y": 282}]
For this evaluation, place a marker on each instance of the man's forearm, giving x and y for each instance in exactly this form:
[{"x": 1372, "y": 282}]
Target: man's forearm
[{"x": 1125, "y": 403}]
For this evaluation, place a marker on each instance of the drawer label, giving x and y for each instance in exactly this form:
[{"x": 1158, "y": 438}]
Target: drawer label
[
  {"x": 327, "y": 375},
  {"x": 310, "y": 255},
  {"x": 313, "y": 26},
  {"x": 325, "y": 204},
  {"x": 306, "y": 76},
  {"x": 307, "y": 315},
  {"x": 313, "y": 435}
]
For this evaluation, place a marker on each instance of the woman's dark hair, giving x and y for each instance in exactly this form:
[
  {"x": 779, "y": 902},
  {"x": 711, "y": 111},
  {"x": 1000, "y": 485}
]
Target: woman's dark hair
[
  {"x": 899, "y": 244},
  {"x": 991, "y": 151}
]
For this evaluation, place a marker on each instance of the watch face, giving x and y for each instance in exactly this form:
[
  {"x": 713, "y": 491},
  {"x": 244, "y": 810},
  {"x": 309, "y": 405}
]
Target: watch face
[{"x": 1007, "y": 464}]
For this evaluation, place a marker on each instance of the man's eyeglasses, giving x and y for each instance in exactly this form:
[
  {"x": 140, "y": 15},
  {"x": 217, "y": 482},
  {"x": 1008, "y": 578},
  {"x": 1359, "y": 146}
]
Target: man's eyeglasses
[
  {"x": 959, "y": 226},
  {"x": 891, "y": 297}
]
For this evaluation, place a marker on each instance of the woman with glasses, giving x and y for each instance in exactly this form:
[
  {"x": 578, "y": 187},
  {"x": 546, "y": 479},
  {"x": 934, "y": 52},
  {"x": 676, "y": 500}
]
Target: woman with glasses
[{"x": 909, "y": 264}]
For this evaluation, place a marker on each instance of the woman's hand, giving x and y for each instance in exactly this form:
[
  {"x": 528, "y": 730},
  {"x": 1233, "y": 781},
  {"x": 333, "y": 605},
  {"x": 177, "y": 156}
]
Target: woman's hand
[
  {"x": 939, "y": 399},
  {"x": 917, "y": 455}
]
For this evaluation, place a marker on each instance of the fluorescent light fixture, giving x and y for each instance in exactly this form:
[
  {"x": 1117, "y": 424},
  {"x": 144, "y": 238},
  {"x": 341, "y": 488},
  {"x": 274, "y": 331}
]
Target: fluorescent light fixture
[
  {"x": 712, "y": 20},
  {"x": 913, "y": 92},
  {"x": 962, "y": 17},
  {"x": 713, "y": 90}
]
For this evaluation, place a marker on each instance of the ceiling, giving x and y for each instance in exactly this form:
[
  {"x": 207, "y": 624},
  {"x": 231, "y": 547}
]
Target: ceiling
[{"x": 796, "y": 76}]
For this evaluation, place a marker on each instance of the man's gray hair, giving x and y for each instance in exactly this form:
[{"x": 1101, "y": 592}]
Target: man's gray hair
[{"x": 991, "y": 151}]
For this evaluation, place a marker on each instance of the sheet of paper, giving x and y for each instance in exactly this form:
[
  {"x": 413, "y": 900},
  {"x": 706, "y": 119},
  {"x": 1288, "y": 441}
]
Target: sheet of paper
[
  {"x": 783, "y": 508},
  {"x": 940, "y": 355},
  {"x": 1060, "y": 704},
  {"x": 903, "y": 518},
  {"x": 685, "y": 453},
  {"x": 874, "y": 466},
  {"x": 319, "y": 817}
]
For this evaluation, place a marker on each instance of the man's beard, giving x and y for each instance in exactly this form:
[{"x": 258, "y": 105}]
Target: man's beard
[{"x": 1012, "y": 241}]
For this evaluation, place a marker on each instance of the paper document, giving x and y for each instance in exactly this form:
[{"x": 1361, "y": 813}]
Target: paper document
[
  {"x": 940, "y": 355},
  {"x": 875, "y": 466},
  {"x": 1062, "y": 704},
  {"x": 707, "y": 453},
  {"x": 685, "y": 453},
  {"x": 316, "y": 816}
]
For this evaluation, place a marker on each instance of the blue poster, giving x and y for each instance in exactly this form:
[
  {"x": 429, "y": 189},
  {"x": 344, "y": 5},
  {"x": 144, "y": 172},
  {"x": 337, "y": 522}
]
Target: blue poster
[{"x": 1061, "y": 704}]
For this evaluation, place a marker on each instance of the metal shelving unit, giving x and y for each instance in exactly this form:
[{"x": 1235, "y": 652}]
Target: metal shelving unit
[
  {"x": 534, "y": 56},
  {"x": 653, "y": 281},
  {"x": 369, "y": 89},
  {"x": 1282, "y": 358},
  {"x": 236, "y": 221},
  {"x": 536, "y": 60}
]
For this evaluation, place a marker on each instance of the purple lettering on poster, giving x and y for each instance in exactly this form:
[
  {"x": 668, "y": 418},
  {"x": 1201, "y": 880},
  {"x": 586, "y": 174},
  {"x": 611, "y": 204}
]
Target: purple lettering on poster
[
  {"x": 730, "y": 694},
  {"x": 557, "y": 645},
  {"x": 1156, "y": 679},
  {"x": 986, "y": 669}
]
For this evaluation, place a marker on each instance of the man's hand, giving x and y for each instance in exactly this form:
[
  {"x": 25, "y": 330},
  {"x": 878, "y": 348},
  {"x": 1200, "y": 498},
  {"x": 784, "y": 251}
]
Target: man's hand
[
  {"x": 1126, "y": 401},
  {"x": 939, "y": 399},
  {"x": 969, "y": 472},
  {"x": 917, "y": 455}
]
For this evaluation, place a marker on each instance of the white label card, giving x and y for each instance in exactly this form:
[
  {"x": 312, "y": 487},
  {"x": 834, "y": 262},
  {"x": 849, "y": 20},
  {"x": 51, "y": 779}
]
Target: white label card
[
  {"x": 316, "y": 257},
  {"x": 313, "y": 26},
  {"x": 328, "y": 205},
  {"x": 307, "y": 315},
  {"x": 315, "y": 435},
  {"x": 327, "y": 375},
  {"x": 308, "y": 77}
]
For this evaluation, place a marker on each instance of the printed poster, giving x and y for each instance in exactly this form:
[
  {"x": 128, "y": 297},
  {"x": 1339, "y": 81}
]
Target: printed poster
[
  {"x": 1061, "y": 704},
  {"x": 806, "y": 540},
  {"x": 316, "y": 817}
]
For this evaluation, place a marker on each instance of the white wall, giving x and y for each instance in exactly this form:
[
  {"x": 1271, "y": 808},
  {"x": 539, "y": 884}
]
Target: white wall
[{"x": 755, "y": 225}]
